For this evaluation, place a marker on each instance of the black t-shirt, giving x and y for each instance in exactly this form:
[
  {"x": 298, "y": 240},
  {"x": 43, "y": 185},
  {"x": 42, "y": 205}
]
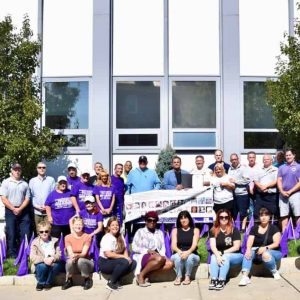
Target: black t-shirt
[
  {"x": 260, "y": 238},
  {"x": 225, "y": 241}
]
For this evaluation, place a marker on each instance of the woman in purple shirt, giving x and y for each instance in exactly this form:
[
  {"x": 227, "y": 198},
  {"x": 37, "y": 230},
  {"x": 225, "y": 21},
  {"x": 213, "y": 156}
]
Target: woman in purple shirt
[
  {"x": 59, "y": 208},
  {"x": 105, "y": 195}
]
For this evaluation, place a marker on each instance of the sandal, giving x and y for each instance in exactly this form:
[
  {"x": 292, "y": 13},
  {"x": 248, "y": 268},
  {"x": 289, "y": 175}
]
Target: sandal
[
  {"x": 177, "y": 281},
  {"x": 141, "y": 284},
  {"x": 186, "y": 281}
]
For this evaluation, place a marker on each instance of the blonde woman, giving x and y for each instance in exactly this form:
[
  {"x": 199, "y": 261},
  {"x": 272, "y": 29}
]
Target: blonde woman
[
  {"x": 114, "y": 258},
  {"x": 77, "y": 245},
  {"x": 45, "y": 256}
]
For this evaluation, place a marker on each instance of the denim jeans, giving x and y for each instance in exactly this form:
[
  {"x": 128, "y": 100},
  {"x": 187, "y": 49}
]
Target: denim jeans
[
  {"x": 188, "y": 264},
  {"x": 45, "y": 274},
  {"x": 230, "y": 259},
  {"x": 270, "y": 265}
]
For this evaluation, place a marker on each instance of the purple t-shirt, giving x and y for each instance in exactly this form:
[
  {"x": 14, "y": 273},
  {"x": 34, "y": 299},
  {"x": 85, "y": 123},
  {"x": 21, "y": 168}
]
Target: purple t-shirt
[
  {"x": 61, "y": 207},
  {"x": 80, "y": 190},
  {"x": 118, "y": 184},
  {"x": 105, "y": 193},
  {"x": 72, "y": 181},
  {"x": 290, "y": 175},
  {"x": 90, "y": 221}
]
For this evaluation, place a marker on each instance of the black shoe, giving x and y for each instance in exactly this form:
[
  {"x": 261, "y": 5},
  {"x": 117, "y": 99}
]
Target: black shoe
[
  {"x": 47, "y": 286},
  {"x": 39, "y": 287},
  {"x": 88, "y": 283},
  {"x": 119, "y": 285},
  {"x": 220, "y": 285},
  {"x": 212, "y": 284},
  {"x": 67, "y": 284},
  {"x": 112, "y": 286}
]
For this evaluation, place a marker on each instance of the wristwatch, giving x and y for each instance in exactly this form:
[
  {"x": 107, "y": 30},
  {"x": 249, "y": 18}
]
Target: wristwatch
[{"x": 267, "y": 248}]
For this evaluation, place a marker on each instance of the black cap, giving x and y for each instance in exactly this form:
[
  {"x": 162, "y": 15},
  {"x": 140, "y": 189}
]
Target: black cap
[
  {"x": 16, "y": 166},
  {"x": 143, "y": 159}
]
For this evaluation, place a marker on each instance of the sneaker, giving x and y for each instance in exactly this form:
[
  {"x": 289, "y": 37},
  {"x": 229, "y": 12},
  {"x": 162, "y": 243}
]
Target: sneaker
[
  {"x": 212, "y": 284},
  {"x": 88, "y": 283},
  {"x": 119, "y": 285},
  {"x": 39, "y": 287},
  {"x": 67, "y": 284},
  {"x": 112, "y": 286},
  {"x": 220, "y": 285},
  {"x": 276, "y": 275},
  {"x": 47, "y": 286},
  {"x": 244, "y": 281}
]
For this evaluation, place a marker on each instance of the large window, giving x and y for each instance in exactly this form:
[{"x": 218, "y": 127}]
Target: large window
[
  {"x": 194, "y": 114},
  {"x": 137, "y": 111},
  {"x": 259, "y": 127},
  {"x": 67, "y": 110}
]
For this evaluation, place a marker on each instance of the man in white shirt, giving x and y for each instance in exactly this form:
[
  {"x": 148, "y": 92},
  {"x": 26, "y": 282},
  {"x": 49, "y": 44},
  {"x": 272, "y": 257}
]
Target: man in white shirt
[{"x": 201, "y": 175}]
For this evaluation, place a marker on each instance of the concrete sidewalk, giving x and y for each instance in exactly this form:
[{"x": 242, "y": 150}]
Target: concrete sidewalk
[{"x": 259, "y": 289}]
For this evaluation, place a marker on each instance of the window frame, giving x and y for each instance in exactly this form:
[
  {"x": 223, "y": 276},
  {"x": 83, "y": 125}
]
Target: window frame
[
  {"x": 71, "y": 150},
  {"x": 217, "y": 130}
]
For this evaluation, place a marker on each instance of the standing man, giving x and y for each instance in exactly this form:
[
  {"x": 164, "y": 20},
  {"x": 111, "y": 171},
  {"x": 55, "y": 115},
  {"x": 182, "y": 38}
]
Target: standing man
[
  {"x": 266, "y": 187},
  {"x": 201, "y": 175},
  {"x": 119, "y": 186},
  {"x": 72, "y": 178},
  {"x": 288, "y": 183},
  {"x": 142, "y": 179},
  {"x": 241, "y": 180},
  {"x": 15, "y": 197},
  {"x": 172, "y": 178},
  {"x": 219, "y": 159},
  {"x": 40, "y": 187},
  {"x": 98, "y": 167}
]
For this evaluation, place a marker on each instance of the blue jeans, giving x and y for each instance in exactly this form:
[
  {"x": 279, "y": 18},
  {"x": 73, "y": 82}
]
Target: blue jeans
[
  {"x": 16, "y": 228},
  {"x": 230, "y": 259},
  {"x": 192, "y": 261},
  {"x": 45, "y": 274},
  {"x": 270, "y": 265}
]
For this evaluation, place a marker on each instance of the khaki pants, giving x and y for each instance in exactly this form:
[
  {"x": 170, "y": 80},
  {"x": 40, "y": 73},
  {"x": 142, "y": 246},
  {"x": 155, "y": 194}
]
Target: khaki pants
[{"x": 83, "y": 266}]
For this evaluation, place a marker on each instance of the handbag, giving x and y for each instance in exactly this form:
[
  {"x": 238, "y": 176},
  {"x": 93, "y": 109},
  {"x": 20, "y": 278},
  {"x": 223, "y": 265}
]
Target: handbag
[{"x": 258, "y": 257}]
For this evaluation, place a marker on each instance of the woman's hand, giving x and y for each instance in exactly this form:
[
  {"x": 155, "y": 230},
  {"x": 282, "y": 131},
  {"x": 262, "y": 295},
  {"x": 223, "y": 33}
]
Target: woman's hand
[
  {"x": 184, "y": 255},
  {"x": 261, "y": 250},
  {"x": 49, "y": 260},
  {"x": 248, "y": 254},
  {"x": 220, "y": 260}
]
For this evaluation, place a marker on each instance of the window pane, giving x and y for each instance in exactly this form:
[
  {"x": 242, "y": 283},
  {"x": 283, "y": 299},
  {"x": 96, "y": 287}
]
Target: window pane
[
  {"x": 138, "y": 104},
  {"x": 194, "y": 37},
  {"x": 138, "y": 140},
  {"x": 257, "y": 114},
  {"x": 194, "y": 139},
  {"x": 67, "y": 38},
  {"x": 67, "y": 104},
  {"x": 262, "y": 140},
  {"x": 72, "y": 140},
  {"x": 194, "y": 104},
  {"x": 260, "y": 39},
  {"x": 138, "y": 29}
]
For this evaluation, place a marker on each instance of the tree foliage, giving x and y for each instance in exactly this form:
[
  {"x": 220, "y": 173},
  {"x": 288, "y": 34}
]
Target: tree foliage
[
  {"x": 283, "y": 94},
  {"x": 21, "y": 139},
  {"x": 164, "y": 162}
]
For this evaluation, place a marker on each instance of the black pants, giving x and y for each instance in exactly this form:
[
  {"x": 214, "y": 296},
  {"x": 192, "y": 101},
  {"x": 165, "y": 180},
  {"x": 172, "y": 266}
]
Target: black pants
[
  {"x": 57, "y": 230},
  {"x": 268, "y": 201},
  {"x": 228, "y": 205},
  {"x": 117, "y": 267}
]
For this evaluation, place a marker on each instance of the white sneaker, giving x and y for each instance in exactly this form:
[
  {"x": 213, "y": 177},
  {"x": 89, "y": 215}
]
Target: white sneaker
[
  {"x": 276, "y": 275},
  {"x": 244, "y": 281}
]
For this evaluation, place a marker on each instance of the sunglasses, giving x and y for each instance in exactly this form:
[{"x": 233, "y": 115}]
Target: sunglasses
[
  {"x": 151, "y": 220},
  {"x": 41, "y": 167},
  {"x": 45, "y": 231},
  {"x": 223, "y": 217}
]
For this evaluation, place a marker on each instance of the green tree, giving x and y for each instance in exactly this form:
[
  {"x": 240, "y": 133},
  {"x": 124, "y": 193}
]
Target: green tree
[
  {"x": 283, "y": 94},
  {"x": 21, "y": 139},
  {"x": 164, "y": 162}
]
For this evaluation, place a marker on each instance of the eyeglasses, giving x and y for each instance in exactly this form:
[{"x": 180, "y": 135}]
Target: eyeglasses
[
  {"x": 223, "y": 217},
  {"x": 151, "y": 220},
  {"x": 41, "y": 167},
  {"x": 45, "y": 231}
]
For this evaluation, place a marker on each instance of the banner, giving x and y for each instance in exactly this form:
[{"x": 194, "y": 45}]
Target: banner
[{"x": 168, "y": 204}]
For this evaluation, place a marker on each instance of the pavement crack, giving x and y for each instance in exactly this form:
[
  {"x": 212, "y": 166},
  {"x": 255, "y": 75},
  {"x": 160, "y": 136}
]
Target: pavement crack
[{"x": 290, "y": 284}]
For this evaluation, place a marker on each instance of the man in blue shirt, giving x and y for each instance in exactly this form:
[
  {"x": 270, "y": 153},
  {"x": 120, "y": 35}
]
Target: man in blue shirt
[{"x": 142, "y": 179}]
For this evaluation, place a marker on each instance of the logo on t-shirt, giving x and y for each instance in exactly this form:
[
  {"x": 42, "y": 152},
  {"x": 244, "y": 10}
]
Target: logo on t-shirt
[{"x": 228, "y": 241}]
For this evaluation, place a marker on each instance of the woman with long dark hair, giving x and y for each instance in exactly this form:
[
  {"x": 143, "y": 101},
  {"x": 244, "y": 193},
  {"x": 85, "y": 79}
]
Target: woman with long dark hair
[
  {"x": 185, "y": 239},
  {"x": 225, "y": 244}
]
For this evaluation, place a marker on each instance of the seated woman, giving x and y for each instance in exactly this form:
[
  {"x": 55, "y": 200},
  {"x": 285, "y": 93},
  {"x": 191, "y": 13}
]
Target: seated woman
[
  {"x": 45, "y": 256},
  {"x": 77, "y": 245},
  {"x": 225, "y": 244},
  {"x": 185, "y": 239},
  {"x": 262, "y": 245},
  {"x": 114, "y": 258},
  {"x": 149, "y": 248}
]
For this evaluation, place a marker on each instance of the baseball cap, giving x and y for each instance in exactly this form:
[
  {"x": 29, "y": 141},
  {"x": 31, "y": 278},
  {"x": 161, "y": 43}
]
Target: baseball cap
[
  {"x": 61, "y": 178},
  {"x": 85, "y": 171},
  {"x": 143, "y": 159},
  {"x": 151, "y": 214},
  {"x": 89, "y": 199},
  {"x": 16, "y": 166},
  {"x": 72, "y": 165}
]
